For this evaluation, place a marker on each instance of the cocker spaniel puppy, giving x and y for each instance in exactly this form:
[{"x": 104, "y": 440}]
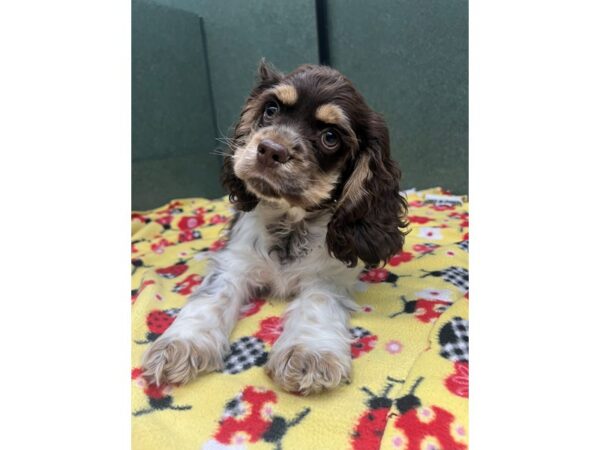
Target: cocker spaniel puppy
[{"x": 311, "y": 177}]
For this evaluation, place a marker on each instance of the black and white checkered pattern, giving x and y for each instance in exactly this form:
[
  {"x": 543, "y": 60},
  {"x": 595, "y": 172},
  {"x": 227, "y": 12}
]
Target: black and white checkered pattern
[
  {"x": 464, "y": 245},
  {"x": 245, "y": 353},
  {"x": 458, "y": 276},
  {"x": 359, "y": 332},
  {"x": 454, "y": 340}
]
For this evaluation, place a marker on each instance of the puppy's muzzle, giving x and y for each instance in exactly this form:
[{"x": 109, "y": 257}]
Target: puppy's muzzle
[{"x": 271, "y": 154}]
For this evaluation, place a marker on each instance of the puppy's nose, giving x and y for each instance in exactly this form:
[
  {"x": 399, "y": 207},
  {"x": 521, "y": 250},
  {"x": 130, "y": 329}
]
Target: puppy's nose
[{"x": 271, "y": 153}]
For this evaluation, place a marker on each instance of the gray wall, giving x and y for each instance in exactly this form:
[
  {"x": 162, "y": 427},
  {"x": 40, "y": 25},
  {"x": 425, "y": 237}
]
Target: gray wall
[{"x": 194, "y": 63}]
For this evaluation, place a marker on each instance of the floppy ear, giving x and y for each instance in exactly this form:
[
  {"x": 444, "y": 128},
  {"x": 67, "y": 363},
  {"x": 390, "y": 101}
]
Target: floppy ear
[
  {"x": 370, "y": 211},
  {"x": 241, "y": 198}
]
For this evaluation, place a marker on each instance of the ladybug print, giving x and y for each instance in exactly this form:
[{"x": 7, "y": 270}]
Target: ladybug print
[
  {"x": 270, "y": 329},
  {"x": 157, "y": 322},
  {"x": 363, "y": 341},
  {"x": 136, "y": 263},
  {"x": 173, "y": 271},
  {"x": 423, "y": 309},
  {"x": 458, "y": 276},
  {"x": 399, "y": 258},
  {"x": 250, "y": 417},
  {"x": 140, "y": 217},
  {"x": 244, "y": 354},
  {"x": 165, "y": 222},
  {"x": 252, "y": 307},
  {"x": 379, "y": 275},
  {"x": 159, "y": 397},
  {"x": 218, "y": 219},
  {"x": 426, "y": 248},
  {"x": 454, "y": 340},
  {"x": 370, "y": 426},
  {"x": 189, "y": 285},
  {"x": 422, "y": 427}
]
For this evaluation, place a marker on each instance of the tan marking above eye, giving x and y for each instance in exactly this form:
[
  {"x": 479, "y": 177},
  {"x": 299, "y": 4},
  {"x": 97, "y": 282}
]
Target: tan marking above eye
[
  {"x": 286, "y": 94},
  {"x": 332, "y": 114}
]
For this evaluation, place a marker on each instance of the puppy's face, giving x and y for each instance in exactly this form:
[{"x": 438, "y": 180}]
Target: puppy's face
[
  {"x": 296, "y": 135},
  {"x": 309, "y": 139}
]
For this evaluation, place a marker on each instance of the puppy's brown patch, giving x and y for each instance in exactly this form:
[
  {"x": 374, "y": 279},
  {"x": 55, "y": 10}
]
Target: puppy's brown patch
[
  {"x": 332, "y": 114},
  {"x": 286, "y": 94}
]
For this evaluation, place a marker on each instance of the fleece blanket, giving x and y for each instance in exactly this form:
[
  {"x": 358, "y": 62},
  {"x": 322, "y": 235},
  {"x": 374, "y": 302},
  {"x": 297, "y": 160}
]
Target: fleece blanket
[{"x": 410, "y": 354}]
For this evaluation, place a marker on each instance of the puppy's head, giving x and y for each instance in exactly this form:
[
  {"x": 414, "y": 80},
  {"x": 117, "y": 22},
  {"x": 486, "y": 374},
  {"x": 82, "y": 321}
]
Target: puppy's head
[{"x": 308, "y": 139}]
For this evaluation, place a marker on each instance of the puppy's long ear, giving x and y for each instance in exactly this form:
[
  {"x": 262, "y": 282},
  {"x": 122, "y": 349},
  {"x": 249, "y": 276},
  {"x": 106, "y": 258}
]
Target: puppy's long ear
[
  {"x": 241, "y": 198},
  {"x": 370, "y": 210}
]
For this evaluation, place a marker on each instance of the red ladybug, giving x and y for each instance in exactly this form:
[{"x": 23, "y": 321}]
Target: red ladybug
[
  {"x": 165, "y": 221},
  {"x": 157, "y": 322},
  {"x": 158, "y": 396},
  {"x": 400, "y": 258},
  {"x": 423, "y": 426},
  {"x": 369, "y": 429},
  {"x": 218, "y": 219},
  {"x": 159, "y": 247},
  {"x": 424, "y": 310},
  {"x": 173, "y": 271},
  {"x": 379, "y": 275}
]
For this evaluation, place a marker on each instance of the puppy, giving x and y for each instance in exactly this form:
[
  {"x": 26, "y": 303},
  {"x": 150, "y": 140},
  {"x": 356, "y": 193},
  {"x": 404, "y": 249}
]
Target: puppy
[{"x": 310, "y": 175}]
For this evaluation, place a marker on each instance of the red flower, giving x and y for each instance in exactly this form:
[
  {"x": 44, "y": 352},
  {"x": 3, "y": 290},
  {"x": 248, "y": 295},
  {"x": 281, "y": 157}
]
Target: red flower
[
  {"x": 217, "y": 245},
  {"x": 190, "y": 222},
  {"x": 458, "y": 382},
  {"x": 419, "y": 219},
  {"x": 189, "y": 235},
  {"x": 159, "y": 247},
  {"x": 252, "y": 307},
  {"x": 363, "y": 345},
  {"x": 399, "y": 258},
  {"x": 187, "y": 286},
  {"x": 270, "y": 329},
  {"x": 217, "y": 219}
]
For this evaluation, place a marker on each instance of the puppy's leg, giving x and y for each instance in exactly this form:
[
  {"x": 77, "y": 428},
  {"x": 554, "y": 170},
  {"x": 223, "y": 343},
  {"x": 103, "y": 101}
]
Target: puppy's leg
[
  {"x": 313, "y": 352},
  {"x": 198, "y": 339}
]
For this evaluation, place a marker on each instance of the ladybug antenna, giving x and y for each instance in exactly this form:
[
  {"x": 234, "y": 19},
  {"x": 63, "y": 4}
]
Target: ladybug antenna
[
  {"x": 368, "y": 391},
  {"x": 180, "y": 408},
  {"x": 416, "y": 385},
  {"x": 141, "y": 412},
  {"x": 296, "y": 420}
]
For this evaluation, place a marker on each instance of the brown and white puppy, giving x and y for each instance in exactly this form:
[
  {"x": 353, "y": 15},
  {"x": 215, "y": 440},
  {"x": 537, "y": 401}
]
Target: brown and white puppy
[{"x": 310, "y": 173}]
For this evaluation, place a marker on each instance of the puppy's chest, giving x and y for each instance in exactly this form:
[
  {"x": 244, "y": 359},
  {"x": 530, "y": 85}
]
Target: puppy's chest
[{"x": 289, "y": 243}]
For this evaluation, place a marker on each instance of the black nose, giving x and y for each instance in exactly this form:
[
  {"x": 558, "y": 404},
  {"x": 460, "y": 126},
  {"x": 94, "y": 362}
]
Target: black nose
[{"x": 271, "y": 153}]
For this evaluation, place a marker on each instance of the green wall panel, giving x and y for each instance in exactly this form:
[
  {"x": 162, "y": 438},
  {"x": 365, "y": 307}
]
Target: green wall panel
[
  {"x": 240, "y": 32},
  {"x": 410, "y": 60},
  {"x": 172, "y": 113}
]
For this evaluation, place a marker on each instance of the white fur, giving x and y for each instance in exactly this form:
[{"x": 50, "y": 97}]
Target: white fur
[{"x": 316, "y": 322}]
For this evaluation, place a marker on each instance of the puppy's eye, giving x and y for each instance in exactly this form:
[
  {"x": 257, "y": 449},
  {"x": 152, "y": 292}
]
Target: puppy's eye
[
  {"x": 271, "y": 109},
  {"x": 330, "y": 139}
]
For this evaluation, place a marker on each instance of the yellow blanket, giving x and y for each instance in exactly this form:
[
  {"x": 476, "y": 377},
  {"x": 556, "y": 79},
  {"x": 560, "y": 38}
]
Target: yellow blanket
[{"x": 410, "y": 378}]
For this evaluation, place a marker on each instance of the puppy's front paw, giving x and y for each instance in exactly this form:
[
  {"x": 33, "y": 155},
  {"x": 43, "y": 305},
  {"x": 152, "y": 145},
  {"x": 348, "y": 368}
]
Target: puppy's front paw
[
  {"x": 298, "y": 369},
  {"x": 173, "y": 360}
]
